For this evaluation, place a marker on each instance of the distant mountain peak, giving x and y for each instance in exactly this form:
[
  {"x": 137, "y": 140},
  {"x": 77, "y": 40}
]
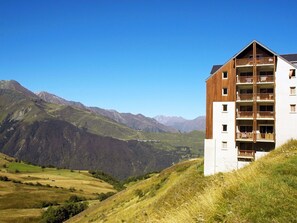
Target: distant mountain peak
[
  {"x": 181, "y": 123},
  {"x": 16, "y": 86}
]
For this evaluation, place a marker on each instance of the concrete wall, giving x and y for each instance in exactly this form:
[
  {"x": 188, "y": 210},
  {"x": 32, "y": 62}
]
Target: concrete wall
[{"x": 285, "y": 120}]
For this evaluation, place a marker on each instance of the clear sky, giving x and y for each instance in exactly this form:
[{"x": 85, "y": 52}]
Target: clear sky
[{"x": 142, "y": 56}]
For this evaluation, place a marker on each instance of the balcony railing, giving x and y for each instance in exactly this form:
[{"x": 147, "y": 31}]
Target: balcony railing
[
  {"x": 259, "y": 60},
  {"x": 265, "y": 114},
  {"x": 245, "y": 79},
  {"x": 265, "y": 79},
  {"x": 265, "y": 96},
  {"x": 244, "y": 61},
  {"x": 244, "y": 135},
  {"x": 244, "y": 97},
  {"x": 244, "y": 114},
  {"x": 265, "y": 60},
  {"x": 266, "y": 136},
  {"x": 246, "y": 154}
]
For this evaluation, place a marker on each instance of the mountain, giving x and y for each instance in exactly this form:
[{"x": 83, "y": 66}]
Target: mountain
[
  {"x": 181, "y": 124},
  {"x": 137, "y": 122},
  {"x": 57, "y": 100},
  {"x": 43, "y": 133},
  {"x": 264, "y": 191}
]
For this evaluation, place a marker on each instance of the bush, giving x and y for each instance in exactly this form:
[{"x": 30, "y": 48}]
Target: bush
[
  {"x": 75, "y": 198},
  {"x": 4, "y": 178},
  {"x": 104, "y": 196},
  {"x": 62, "y": 213},
  {"x": 107, "y": 178}
]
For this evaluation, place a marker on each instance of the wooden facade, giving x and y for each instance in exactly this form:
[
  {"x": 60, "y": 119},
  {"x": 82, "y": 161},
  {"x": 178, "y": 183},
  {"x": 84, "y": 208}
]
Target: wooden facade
[{"x": 214, "y": 92}]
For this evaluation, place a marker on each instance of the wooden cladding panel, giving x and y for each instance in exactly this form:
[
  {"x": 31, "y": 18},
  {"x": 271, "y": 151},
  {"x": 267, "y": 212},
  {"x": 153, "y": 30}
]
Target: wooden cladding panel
[{"x": 214, "y": 87}]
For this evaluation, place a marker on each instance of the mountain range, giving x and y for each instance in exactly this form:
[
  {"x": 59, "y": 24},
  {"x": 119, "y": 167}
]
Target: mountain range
[
  {"x": 47, "y": 130},
  {"x": 181, "y": 124}
]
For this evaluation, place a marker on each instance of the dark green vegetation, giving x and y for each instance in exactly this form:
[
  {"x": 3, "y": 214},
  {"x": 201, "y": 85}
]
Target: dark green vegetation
[
  {"x": 63, "y": 212},
  {"x": 76, "y": 138},
  {"x": 264, "y": 191}
]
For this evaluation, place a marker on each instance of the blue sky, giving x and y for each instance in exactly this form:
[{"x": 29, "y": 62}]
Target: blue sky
[{"x": 142, "y": 56}]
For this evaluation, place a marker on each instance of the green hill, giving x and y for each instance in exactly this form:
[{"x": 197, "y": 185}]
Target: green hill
[
  {"x": 27, "y": 189},
  {"x": 265, "y": 191}
]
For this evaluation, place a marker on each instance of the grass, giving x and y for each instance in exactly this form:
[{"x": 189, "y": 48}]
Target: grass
[
  {"x": 265, "y": 191},
  {"x": 28, "y": 188}
]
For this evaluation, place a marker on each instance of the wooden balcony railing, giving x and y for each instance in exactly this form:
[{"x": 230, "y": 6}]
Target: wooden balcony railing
[
  {"x": 244, "y": 114},
  {"x": 244, "y": 97},
  {"x": 265, "y": 79},
  {"x": 265, "y": 96},
  {"x": 266, "y": 136},
  {"x": 246, "y": 153},
  {"x": 244, "y": 135},
  {"x": 245, "y": 79},
  {"x": 265, "y": 114},
  {"x": 259, "y": 60},
  {"x": 265, "y": 60},
  {"x": 244, "y": 61}
]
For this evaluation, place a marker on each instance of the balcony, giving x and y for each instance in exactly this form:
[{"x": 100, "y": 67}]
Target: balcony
[
  {"x": 265, "y": 115},
  {"x": 246, "y": 154},
  {"x": 265, "y": 96},
  {"x": 265, "y": 79},
  {"x": 245, "y": 114},
  {"x": 268, "y": 137},
  {"x": 259, "y": 61},
  {"x": 244, "y": 62},
  {"x": 244, "y": 80},
  {"x": 264, "y": 61},
  {"x": 244, "y": 136},
  {"x": 245, "y": 97}
]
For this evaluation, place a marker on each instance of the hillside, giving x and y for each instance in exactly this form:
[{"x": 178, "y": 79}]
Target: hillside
[
  {"x": 181, "y": 124},
  {"x": 64, "y": 136},
  {"x": 26, "y": 189},
  {"x": 265, "y": 191}
]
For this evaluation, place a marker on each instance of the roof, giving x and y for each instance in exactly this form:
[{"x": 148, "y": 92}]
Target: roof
[
  {"x": 290, "y": 57},
  {"x": 215, "y": 68}
]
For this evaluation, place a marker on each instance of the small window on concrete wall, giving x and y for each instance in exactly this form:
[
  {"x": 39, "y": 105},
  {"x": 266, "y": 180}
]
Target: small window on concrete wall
[
  {"x": 225, "y": 91},
  {"x": 224, "y": 145},
  {"x": 225, "y": 108},
  {"x": 224, "y": 128},
  {"x": 292, "y": 73},
  {"x": 293, "y": 108},
  {"x": 292, "y": 90},
  {"x": 225, "y": 75}
]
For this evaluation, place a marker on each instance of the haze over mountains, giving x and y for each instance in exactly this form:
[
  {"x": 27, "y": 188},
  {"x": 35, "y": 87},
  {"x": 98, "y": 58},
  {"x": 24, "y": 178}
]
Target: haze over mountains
[
  {"x": 49, "y": 130},
  {"x": 181, "y": 124}
]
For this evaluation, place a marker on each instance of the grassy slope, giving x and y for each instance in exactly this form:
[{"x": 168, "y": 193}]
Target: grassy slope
[
  {"x": 265, "y": 191},
  {"x": 21, "y": 202}
]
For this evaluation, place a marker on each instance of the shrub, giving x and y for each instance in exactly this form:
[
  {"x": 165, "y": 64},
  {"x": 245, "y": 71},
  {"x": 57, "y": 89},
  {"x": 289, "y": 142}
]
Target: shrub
[
  {"x": 75, "y": 198},
  {"x": 104, "y": 196},
  {"x": 4, "y": 178},
  {"x": 62, "y": 213}
]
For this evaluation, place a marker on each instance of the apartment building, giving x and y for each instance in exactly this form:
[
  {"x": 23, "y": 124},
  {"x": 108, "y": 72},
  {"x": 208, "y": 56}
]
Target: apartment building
[{"x": 250, "y": 107}]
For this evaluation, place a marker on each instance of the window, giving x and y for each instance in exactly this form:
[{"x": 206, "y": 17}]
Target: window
[
  {"x": 225, "y": 91},
  {"x": 292, "y": 90},
  {"x": 224, "y": 145},
  {"x": 293, "y": 108},
  {"x": 225, "y": 108},
  {"x": 292, "y": 73},
  {"x": 224, "y": 128},
  {"x": 225, "y": 75}
]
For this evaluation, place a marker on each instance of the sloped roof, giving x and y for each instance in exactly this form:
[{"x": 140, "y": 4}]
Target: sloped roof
[
  {"x": 215, "y": 68},
  {"x": 289, "y": 57}
]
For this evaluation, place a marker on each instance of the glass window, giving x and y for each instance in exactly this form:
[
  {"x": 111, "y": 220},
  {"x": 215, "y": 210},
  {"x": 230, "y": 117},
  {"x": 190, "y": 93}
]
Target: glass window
[
  {"x": 225, "y": 108},
  {"x": 224, "y": 128},
  {"x": 225, "y": 91},
  {"x": 225, "y": 75},
  {"x": 292, "y": 90}
]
